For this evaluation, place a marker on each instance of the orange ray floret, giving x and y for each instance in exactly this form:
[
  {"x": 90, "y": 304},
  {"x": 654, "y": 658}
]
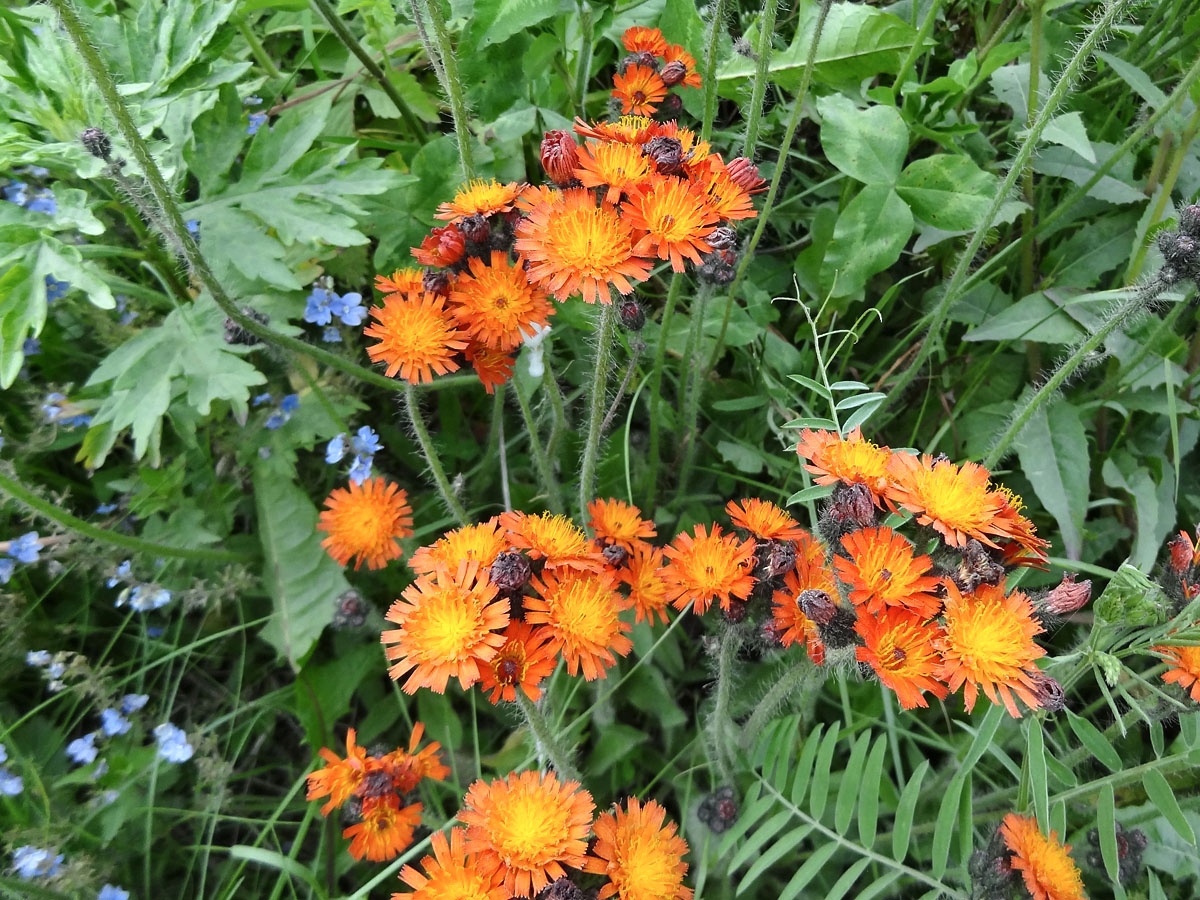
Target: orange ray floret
[
  {"x": 764, "y": 520},
  {"x": 525, "y": 659},
  {"x": 901, "y": 651},
  {"x": 447, "y": 623},
  {"x": 574, "y": 246},
  {"x": 882, "y": 572},
  {"x": 1044, "y": 863},
  {"x": 451, "y": 874},
  {"x": 957, "y": 501},
  {"x": 988, "y": 643},
  {"x": 850, "y": 460},
  {"x": 649, "y": 592},
  {"x": 492, "y": 367},
  {"x": 1185, "y": 668},
  {"x": 638, "y": 88},
  {"x": 556, "y": 539},
  {"x": 726, "y": 198},
  {"x": 386, "y": 828},
  {"x": 401, "y": 281},
  {"x": 639, "y": 38},
  {"x": 480, "y": 543},
  {"x": 480, "y": 197},
  {"x": 496, "y": 305},
  {"x": 672, "y": 217},
  {"x": 340, "y": 778},
  {"x": 709, "y": 566},
  {"x": 620, "y": 523},
  {"x": 676, "y": 53},
  {"x": 642, "y": 857},
  {"x": 581, "y": 610},
  {"x": 1020, "y": 530},
  {"x": 626, "y": 130},
  {"x": 529, "y": 826},
  {"x": 620, "y": 168},
  {"x": 408, "y": 767},
  {"x": 810, "y": 574},
  {"x": 366, "y": 521},
  {"x": 417, "y": 337}
]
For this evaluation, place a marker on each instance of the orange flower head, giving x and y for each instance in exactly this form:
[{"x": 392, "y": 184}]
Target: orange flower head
[
  {"x": 401, "y": 281},
  {"x": 626, "y": 130},
  {"x": 480, "y": 198},
  {"x": 1185, "y": 668},
  {"x": 365, "y": 521},
  {"x": 649, "y": 592},
  {"x": 988, "y": 643},
  {"x": 480, "y": 543},
  {"x": 452, "y": 874},
  {"x": 620, "y": 523},
  {"x": 810, "y": 574},
  {"x": 529, "y": 826},
  {"x": 650, "y": 40},
  {"x": 556, "y": 539},
  {"x": 525, "y": 659},
  {"x": 638, "y": 88},
  {"x": 709, "y": 566},
  {"x": 850, "y": 460},
  {"x": 620, "y": 168},
  {"x": 726, "y": 198},
  {"x": 1022, "y": 531},
  {"x": 955, "y": 500},
  {"x": 1044, "y": 863},
  {"x": 496, "y": 305},
  {"x": 340, "y": 778},
  {"x": 447, "y": 623},
  {"x": 574, "y": 246},
  {"x": 901, "y": 651},
  {"x": 676, "y": 53},
  {"x": 642, "y": 857},
  {"x": 492, "y": 367},
  {"x": 581, "y": 610},
  {"x": 883, "y": 572},
  {"x": 764, "y": 520},
  {"x": 673, "y": 217},
  {"x": 408, "y": 767},
  {"x": 417, "y": 337},
  {"x": 442, "y": 247},
  {"x": 386, "y": 828}
]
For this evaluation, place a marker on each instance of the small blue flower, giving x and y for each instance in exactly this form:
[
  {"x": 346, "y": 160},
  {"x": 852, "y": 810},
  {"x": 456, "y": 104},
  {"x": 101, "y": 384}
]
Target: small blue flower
[
  {"x": 38, "y": 658},
  {"x": 366, "y": 441},
  {"x": 51, "y": 408},
  {"x": 290, "y": 403},
  {"x": 25, "y": 548},
  {"x": 144, "y": 598},
  {"x": 261, "y": 399},
  {"x": 105, "y": 508},
  {"x": 193, "y": 226},
  {"x": 36, "y": 171},
  {"x": 335, "y": 449},
  {"x": 360, "y": 471},
  {"x": 349, "y": 308},
  {"x": 43, "y": 201},
  {"x": 257, "y": 121},
  {"x": 172, "y": 743},
  {"x": 7, "y": 567},
  {"x": 253, "y": 100},
  {"x": 55, "y": 670},
  {"x": 113, "y": 723},
  {"x": 275, "y": 421},
  {"x": 331, "y": 335},
  {"x": 16, "y": 192},
  {"x": 31, "y": 346},
  {"x": 55, "y": 289},
  {"x": 83, "y": 750},
  {"x": 3, "y": 754},
  {"x": 80, "y": 421},
  {"x": 131, "y": 703},
  {"x": 318, "y": 306},
  {"x": 34, "y": 862},
  {"x": 112, "y": 892},
  {"x": 10, "y": 785}
]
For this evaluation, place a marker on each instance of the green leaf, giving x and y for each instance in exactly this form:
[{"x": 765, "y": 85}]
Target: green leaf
[
  {"x": 769, "y": 857},
  {"x": 1141, "y": 83},
  {"x": 1032, "y": 318},
  {"x": 804, "y": 766},
  {"x": 902, "y": 823},
  {"x": 820, "y": 781},
  {"x": 270, "y": 858},
  {"x": 868, "y": 144},
  {"x": 868, "y": 793},
  {"x": 1106, "y": 826},
  {"x": 1129, "y": 598},
  {"x": 842, "y": 886},
  {"x": 1035, "y": 752},
  {"x": 1053, "y": 450},
  {"x": 301, "y": 579},
  {"x": 1161, "y": 795},
  {"x": 1095, "y": 742},
  {"x": 1061, "y": 162},
  {"x": 813, "y": 385},
  {"x": 847, "y": 794},
  {"x": 813, "y": 492},
  {"x": 1069, "y": 131},
  {"x": 947, "y": 191},
  {"x": 868, "y": 237},
  {"x": 495, "y": 21},
  {"x": 807, "y": 872},
  {"x": 943, "y": 829},
  {"x": 752, "y": 810}
]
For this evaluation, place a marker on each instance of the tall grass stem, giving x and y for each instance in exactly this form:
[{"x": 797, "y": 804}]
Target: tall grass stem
[
  {"x": 597, "y": 392},
  {"x": 437, "y": 46},
  {"x": 453, "y": 504},
  {"x": 766, "y": 31}
]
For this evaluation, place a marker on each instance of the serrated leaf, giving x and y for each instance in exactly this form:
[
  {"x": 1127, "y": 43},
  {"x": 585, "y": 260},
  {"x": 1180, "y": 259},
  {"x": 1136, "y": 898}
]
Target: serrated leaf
[
  {"x": 1161, "y": 795},
  {"x": 902, "y": 823},
  {"x": 847, "y": 795},
  {"x": 1053, "y": 450},
  {"x": 868, "y": 793}
]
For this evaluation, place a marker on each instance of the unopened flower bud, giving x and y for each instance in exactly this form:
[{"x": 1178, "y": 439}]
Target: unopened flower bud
[
  {"x": 671, "y": 107},
  {"x": 1189, "y": 220},
  {"x": 719, "y": 809},
  {"x": 666, "y": 153},
  {"x": 632, "y": 316},
  {"x": 817, "y": 606},
  {"x": 436, "y": 282},
  {"x": 977, "y": 567},
  {"x": 851, "y": 507},
  {"x": 510, "y": 572},
  {"x": 236, "y": 334},
  {"x": 562, "y": 889},
  {"x": 717, "y": 267},
  {"x": 560, "y": 156},
  {"x": 474, "y": 228},
  {"x": 743, "y": 47},
  {"x": 615, "y": 555},
  {"x": 735, "y": 612},
  {"x": 97, "y": 143},
  {"x": 1070, "y": 596},
  {"x": 723, "y": 237},
  {"x": 1048, "y": 692},
  {"x": 1183, "y": 554},
  {"x": 673, "y": 73},
  {"x": 1131, "y": 843},
  {"x": 350, "y": 610},
  {"x": 777, "y": 557},
  {"x": 640, "y": 58},
  {"x": 744, "y": 174}
]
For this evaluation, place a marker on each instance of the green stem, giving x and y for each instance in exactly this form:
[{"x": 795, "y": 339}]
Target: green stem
[
  {"x": 797, "y": 677},
  {"x": 554, "y": 392},
  {"x": 766, "y": 30},
  {"x": 918, "y": 45},
  {"x": 710, "y": 69},
  {"x": 24, "y": 496},
  {"x": 1028, "y": 252},
  {"x": 547, "y": 743},
  {"x": 660, "y": 359},
  {"x": 597, "y": 396},
  {"x": 437, "y": 47},
  {"x": 719, "y": 721},
  {"x": 256, "y": 49},
  {"x": 694, "y": 365},
  {"x": 542, "y": 462},
  {"x": 583, "y": 66},
  {"x": 431, "y": 458}
]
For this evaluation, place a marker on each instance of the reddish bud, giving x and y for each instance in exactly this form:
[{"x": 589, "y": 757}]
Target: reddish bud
[
  {"x": 818, "y": 606},
  {"x": 1048, "y": 692},
  {"x": 673, "y": 73},
  {"x": 560, "y": 156},
  {"x": 510, "y": 571},
  {"x": 666, "y": 153},
  {"x": 1182, "y": 553},
  {"x": 1069, "y": 596},
  {"x": 745, "y": 174},
  {"x": 631, "y": 314},
  {"x": 436, "y": 282},
  {"x": 443, "y": 247}
]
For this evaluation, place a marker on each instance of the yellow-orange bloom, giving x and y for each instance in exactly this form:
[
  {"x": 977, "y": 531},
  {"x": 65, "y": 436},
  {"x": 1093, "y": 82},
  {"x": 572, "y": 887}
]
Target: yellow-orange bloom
[
  {"x": 581, "y": 610},
  {"x": 850, "y": 460},
  {"x": 480, "y": 543},
  {"x": 672, "y": 217},
  {"x": 401, "y": 281},
  {"x": 649, "y": 592},
  {"x": 618, "y": 167},
  {"x": 900, "y": 648},
  {"x": 627, "y": 129},
  {"x": 574, "y": 245},
  {"x": 480, "y": 197},
  {"x": 1044, "y": 863},
  {"x": 492, "y": 367},
  {"x": 988, "y": 643},
  {"x": 417, "y": 337},
  {"x": 726, "y": 198},
  {"x": 525, "y": 659},
  {"x": 957, "y": 501},
  {"x": 1185, "y": 668},
  {"x": 810, "y": 574},
  {"x": 385, "y": 830},
  {"x": 620, "y": 523},
  {"x": 365, "y": 521},
  {"x": 639, "y": 38},
  {"x": 638, "y": 88},
  {"x": 764, "y": 520},
  {"x": 340, "y": 778},
  {"x": 447, "y": 623},
  {"x": 556, "y": 539},
  {"x": 529, "y": 827},
  {"x": 642, "y": 857},
  {"x": 882, "y": 571},
  {"x": 709, "y": 566},
  {"x": 408, "y": 767},
  {"x": 496, "y": 305},
  {"x": 452, "y": 874}
]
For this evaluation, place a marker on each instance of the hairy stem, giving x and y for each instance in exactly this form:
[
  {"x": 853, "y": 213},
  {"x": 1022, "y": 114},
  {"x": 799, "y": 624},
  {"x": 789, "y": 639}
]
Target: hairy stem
[
  {"x": 431, "y": 458},
  {"x": 719, "y": 722},
  {"x": 694, "y": 365},
  {"x": 636, "y": 348},
  {"x": 437, "y": 47},
  {"x": 801, "y": 677},
  {"x": 541, "y": 461},
  {"x": 1029, "y": 248},
  {"x": 918, "y": 45},
  {"x": 546, "y": 742},
  {"x": 554, "y": 392},
  {"x": 660, "y": 358},
  {"x": 583, "y": 65},
  {"x": 766, "y": 31},
  {"x": 712, "y": 39},
  {"x": 597, "y": 396}
]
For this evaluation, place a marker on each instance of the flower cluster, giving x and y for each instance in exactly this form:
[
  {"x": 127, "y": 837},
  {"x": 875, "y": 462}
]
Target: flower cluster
[
  {"x": 376, "y": 790},
  {"x": 172, "y": 742},
  {"x": 323, "y": 305},
  {"x": 654, "y": 66},
  {"x": 23, "y": 549},
  {"x": 364, "y": 445}
]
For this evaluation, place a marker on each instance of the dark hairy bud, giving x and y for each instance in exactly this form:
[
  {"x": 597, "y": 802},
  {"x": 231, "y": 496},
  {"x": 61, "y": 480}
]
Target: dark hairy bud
[
  {"x": 1189, "y": 220},
  {"x": 719, "y": 809},
  {"x": 615, "y": 555},
  {"x": 641, "y": 58},
  {"x": 717, "y": 267},
  {"x": 736, "y": 611},
  {"x": 510, "y": 571},
  {"x": 475, "y": 228},
  {"x": 1070, "y": 596},
  {"x": 1049, "y": 693},
  {"x": 236, "y": 334},
  {"x": 777, "y": 557},
  {"x": 436, "y": 282},
  {"x": 723, "y": 237},
  {"x": 666, "y": 153},
  {"x": 672, "y": 105},
  {"x": 632, "y": 316},
  {"x": 673, "y": 73},
  {"x": 97, "y": 143},
  {"x": 350, "y": 610},
  {"x": 562, "y": 889}
]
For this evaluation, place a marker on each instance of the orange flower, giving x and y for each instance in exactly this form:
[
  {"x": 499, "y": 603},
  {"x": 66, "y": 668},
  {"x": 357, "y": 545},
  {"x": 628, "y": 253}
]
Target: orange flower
[
  {"x": 416, "y": 336},
  {"x": 726, "y": 198},
  {"x": 525, "y": 659},
  {"x": 573, "y": 245},
  {"x": 648, "y": 590},
  {"x": 1044, "y": 863},
  {"x": 707, "y": 567},
  {"x": 673, "y": 218},
  {"x": 1021, "y": 530},
  {"x": 900, "y": 649},
  {"x": 402, "y": 281},
  {"x": 626, "y": 130},
  {"x": 638, "y": 38},
  {"x": 850, "y": 460},
  {"x": 492, "y": 367},
  {"x": 529, "y": 827},
  {"x": 556, "y": 539},
  {"x": 619, "y": 167},
  {"x": 620, "y": 523},
  {"x": 446, "y": 628},
  {"x": 988, "y": 643},
  {"x": 642, "y": 858},
  {"x": 480, "y": 543},
  {"x": 408, "y": 767},
  {"x": 764, "y": 520},
  {"x": 496, "y": 305},
  {"x": 385, "y": 830},
  {"x": 480, "y": 197},
  {"x": 442, "y": 247},
  {"x": 1186, "y": 668},
  {"x": 638, "y": 88},
  {"x": 883, "y": 572},
  {"x": 957, "y": 501},
  {"x": 789, "y": 620},
  {"x": 340, "y": 778},
  {"x": 365, "y": 521},
  {"x": 676, "y": 53},
  {"x": 452, "y": 874},
  {"x": 581, "y": 610}
]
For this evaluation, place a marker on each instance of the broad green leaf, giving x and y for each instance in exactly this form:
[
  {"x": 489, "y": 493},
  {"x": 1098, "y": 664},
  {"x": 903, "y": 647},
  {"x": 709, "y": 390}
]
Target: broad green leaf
[
  {"x": 1142, "y": 84},
  {"x": 902, "y": 824},
  {"x": 1093, "y": 251},
  {"x": 947, "y": 191},
  {"x": 868, "y": 237},
  {"x": 1153, "y": 504},
  {"x": 1053, "y": 450},
  {"x": 1035, "y": 752},
  {"x": 868, "y": 144},
  {"x": 868, "y": 800},
  {"x": 1161, "y": 795},
  {"x": 847, "y": 794},
  {"x": 495, "y": 21},
  {"x": 1106, "y": 827},
  {"x": 1069, "y": 131},
  {"x": 1032, "y": 318},
  {"x": 1095, "y": 742},
  {"x": 1061, "y": 162}
]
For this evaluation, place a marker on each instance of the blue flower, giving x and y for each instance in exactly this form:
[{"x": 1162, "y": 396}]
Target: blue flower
[
  {"x": 10, "y": 784},
  {"x": 112, "y": 892},
  {"x": 127, "y": 315},
  {"x": 43, "y": 201},
  {"x": 55, "y": 289},
  {"x": 36, "y": 171},
  {"x": 144, "y": 598},
  {"x": 3, "y": 754},
  {"x": 80, "y": 421},
  {"x": 25, "y": 548},
  {"x": 34, "y": 862},
  {"x": 349, "y": 308},
  {"x": 100, "y": 770},
  {"x": 193, "y": 226},
  {"x": 276, "y": 421},
  {"x": 113, "y": 723},
  {"x": 131, "y": 703},
  {"x": 16, "y": 192},
  {"x": 360, "y": 471},
  {"x": 105, "y": 508},
  {"x": 331, "y": 335},
  {"x": 55, "y": 670},
  {"x": 318, "y": 306},
  {"x": 261, "y": 399},
  {"x": 257, "y": 121},
  {"x": 51, "y": 409},
  {"x": 366, "y": 441},
  {"x": 290, "y": 403},
  {"x": 253, "y": 100},
  {"x": 38, "y": 658},
  {"x": 7, "y": 566},
  {"x": 172, "y": 743},
  {"x": 31, "y": 346},
  {"x": 83, "y": 750},
  {"x": 335, "y": 449}
]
